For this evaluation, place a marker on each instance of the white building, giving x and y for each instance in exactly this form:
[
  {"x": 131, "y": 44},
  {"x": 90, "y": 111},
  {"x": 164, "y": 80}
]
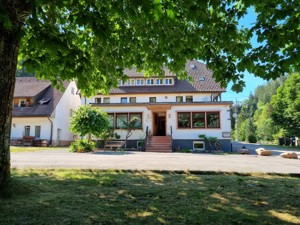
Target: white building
[
  {"x": 172, "y": 113},
  {"x": 42, "y": 112}
]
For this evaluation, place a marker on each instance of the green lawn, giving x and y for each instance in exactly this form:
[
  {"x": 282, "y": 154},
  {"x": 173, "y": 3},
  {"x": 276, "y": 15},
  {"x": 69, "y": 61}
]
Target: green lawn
[
  {"x": 33, "y": 149},
  {"x": 115, "y": 197}
]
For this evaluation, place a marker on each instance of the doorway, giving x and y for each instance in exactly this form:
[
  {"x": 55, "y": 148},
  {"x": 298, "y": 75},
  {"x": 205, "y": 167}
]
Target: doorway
[{"x": 159, "y": 124}]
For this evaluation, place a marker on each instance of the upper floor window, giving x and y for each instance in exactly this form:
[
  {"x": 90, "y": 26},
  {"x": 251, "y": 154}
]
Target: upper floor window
[
  {"x": 152, "y": 99},
  {"x": 72, "y": 90},
  {"x": 189, "y": 98},
  {"x": 124, "y": 100},
  {"x": 132, "y": 99},
  {"x": 132, "y": 81},
  {"x": 179, "y": 98},
  {"x": 159, "y": 81},
  {"x": 22, "y": 102},
  {"x": 168, "y": 81},
  {"x": 98, "y": 100},
  {"x": 150, "y": 81},
  {"x": 140, "y": 81},
  {"x": 106, "y": 100}
]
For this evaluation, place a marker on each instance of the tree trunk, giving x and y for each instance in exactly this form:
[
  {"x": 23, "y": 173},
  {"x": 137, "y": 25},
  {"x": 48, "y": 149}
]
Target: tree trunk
[{"x": 9, "y": 49}]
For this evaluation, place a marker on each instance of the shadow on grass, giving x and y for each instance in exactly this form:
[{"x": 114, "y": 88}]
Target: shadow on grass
[{"x": 117, "y": 197}]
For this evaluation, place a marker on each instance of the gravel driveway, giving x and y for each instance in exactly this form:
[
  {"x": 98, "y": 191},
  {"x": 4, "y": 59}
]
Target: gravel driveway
[{"x": 157, "y": 161}]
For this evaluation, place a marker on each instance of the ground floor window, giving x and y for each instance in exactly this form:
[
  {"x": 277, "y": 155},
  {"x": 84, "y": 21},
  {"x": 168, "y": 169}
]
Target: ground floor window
[
  {"x": 198, "y": 120},
  {"x": 27, "y": 131},
  {"x": 119, "y": 120},
  {"x": 37, "y": 131}
]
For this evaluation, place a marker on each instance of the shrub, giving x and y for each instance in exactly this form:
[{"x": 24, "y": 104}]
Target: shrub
[
  {"x": 252, "y": 138},
  {"x": 82, "y": 146}
]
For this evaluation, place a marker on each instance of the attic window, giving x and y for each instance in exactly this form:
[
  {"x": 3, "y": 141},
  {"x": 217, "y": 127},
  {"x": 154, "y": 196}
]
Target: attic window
[
  {"x": 201, "y": 78},
  {"x": 44, "y": 101},
  {"x": 193, "y": 66}
]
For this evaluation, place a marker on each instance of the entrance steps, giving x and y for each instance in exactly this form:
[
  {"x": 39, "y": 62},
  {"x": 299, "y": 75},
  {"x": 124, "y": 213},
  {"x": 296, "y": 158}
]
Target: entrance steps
[{"x": 159, "y": 144}]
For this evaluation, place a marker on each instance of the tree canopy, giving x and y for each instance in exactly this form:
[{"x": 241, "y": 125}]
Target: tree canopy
[
  {"x": 286, "y": 105},
  {"x": 89, "y": 121}
]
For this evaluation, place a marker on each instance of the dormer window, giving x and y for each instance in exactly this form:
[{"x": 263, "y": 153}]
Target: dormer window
[
  {"x": 193, "y": 66},
  {"x": 22, "y": 102},
  {"x": 201, "y": 78},
  {"x": 168, "y": 81},
  {"x": 159, "y": 81},
  {"x": 132, "y": 81},
  {"x": 150, "y": 81}
]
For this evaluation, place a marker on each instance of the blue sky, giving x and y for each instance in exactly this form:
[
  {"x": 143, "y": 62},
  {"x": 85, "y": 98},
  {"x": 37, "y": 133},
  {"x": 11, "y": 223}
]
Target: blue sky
[{"x": 251, "y": 81}]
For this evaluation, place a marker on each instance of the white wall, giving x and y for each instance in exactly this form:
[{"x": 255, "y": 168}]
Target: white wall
[
  {"x": 225, "y": 125},
  {"x": 171, "y": 120},
  {"x": 144, "y": 98},
  {"x": 18, "y": 127},
  {"x": 61, "y": 116}
]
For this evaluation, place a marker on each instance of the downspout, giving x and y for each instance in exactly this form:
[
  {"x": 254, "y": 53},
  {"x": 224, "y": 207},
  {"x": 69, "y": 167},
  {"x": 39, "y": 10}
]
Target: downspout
[{"x": 51, "y": 131}]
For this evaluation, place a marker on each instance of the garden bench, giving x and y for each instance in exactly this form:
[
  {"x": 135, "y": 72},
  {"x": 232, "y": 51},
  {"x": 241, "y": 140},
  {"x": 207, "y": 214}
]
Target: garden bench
[{"x": 114, "y": 144}]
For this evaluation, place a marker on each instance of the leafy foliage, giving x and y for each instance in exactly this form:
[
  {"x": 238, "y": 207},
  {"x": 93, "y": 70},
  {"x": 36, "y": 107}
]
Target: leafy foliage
[
  {"x": 91, "y": 121},
  {"x": 82, "y": 146},
  {"x": 286, "y": 105}
]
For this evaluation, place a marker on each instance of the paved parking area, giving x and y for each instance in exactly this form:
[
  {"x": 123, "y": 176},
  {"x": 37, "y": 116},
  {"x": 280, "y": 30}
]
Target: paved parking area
[{"x": 156, "y": 161}]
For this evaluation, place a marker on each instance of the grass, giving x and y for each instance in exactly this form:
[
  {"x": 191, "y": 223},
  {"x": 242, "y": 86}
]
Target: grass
[
  {"x": 115, "y": 197},
  {"x": 33, "y": 149}
]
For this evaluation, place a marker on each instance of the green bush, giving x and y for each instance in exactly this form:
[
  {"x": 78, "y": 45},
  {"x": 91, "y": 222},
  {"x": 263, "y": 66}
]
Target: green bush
[
  {"x": 252, "y": 138},
  {"x": 82, "y": 146}
]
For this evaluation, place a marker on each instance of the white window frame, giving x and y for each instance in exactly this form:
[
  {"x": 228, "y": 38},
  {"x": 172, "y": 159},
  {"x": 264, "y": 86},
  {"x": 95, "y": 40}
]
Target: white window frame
[
  {"x": 150, "y": 81},
  {"x": 24, "y": 102},
  {"x": 35, "y": 131},
  {"x": 106, "y": 100},
  {"x": 199, "y": 142},
  {"x": 159, "y": 81},
  {"x": 167, "y": 81}
]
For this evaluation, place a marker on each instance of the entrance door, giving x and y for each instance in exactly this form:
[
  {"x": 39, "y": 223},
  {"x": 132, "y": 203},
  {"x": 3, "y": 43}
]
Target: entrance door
[{"x": 159, "y": 125}]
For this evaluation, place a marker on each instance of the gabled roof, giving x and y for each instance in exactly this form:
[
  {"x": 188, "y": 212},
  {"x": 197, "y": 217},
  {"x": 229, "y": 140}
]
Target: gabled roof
[
  {"x": 37, "y": 110},
  {"x": 29, "y": 86},
  {"x": 195, "y": 70}
]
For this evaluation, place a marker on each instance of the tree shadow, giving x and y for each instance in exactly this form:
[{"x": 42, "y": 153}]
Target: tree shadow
[{"x": 118, "y": 197}]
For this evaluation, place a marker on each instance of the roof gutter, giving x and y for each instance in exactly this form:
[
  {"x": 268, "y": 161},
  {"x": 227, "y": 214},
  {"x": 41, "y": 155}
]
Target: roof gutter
[{"x": 51, "y": 131}]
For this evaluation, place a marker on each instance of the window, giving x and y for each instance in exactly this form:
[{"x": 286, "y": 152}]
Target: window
[
  {"x": 152, "y": 99},
  {"x": 121, "y": 119},
  {"x": 189, "y": 98},
  {"x": 106, "y": 100},
  {"x": 201, "y": 78},
  {"x": 124, "y": 100},
  {"x": 184, "y": 120},
  {"x": 213, "y": 119},
  {"x": 22, "y": 102},
  {"x": 72, "y": 90},
  {"x": 132, "y": 99},
  {"x": 198, "y": 120},
  {"x": 98, "y": 100},
  {"x": 138, "y": 118},
  {"x": 149, "y": 81},
  {"x": 37, "y": 131},
  {"x": 117, "y": 120},
  {"x": 179, "y": 98},
  {"x": 169, "y": 81},
  {"x": 159, "y": 81},
  {"x": 111, "y": 119},
  {"x": 132, "y": 81},
  {"x": 198, "y": 145},
  {"x": 27, "y": 131},
  {"x": 139, "y": 81}
]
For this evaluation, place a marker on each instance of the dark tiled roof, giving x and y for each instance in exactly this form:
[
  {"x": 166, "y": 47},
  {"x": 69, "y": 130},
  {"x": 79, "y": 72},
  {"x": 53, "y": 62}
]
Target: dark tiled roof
[
  {"x": 38, "y": 110},
  {"x": 194, "y": 69}
]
